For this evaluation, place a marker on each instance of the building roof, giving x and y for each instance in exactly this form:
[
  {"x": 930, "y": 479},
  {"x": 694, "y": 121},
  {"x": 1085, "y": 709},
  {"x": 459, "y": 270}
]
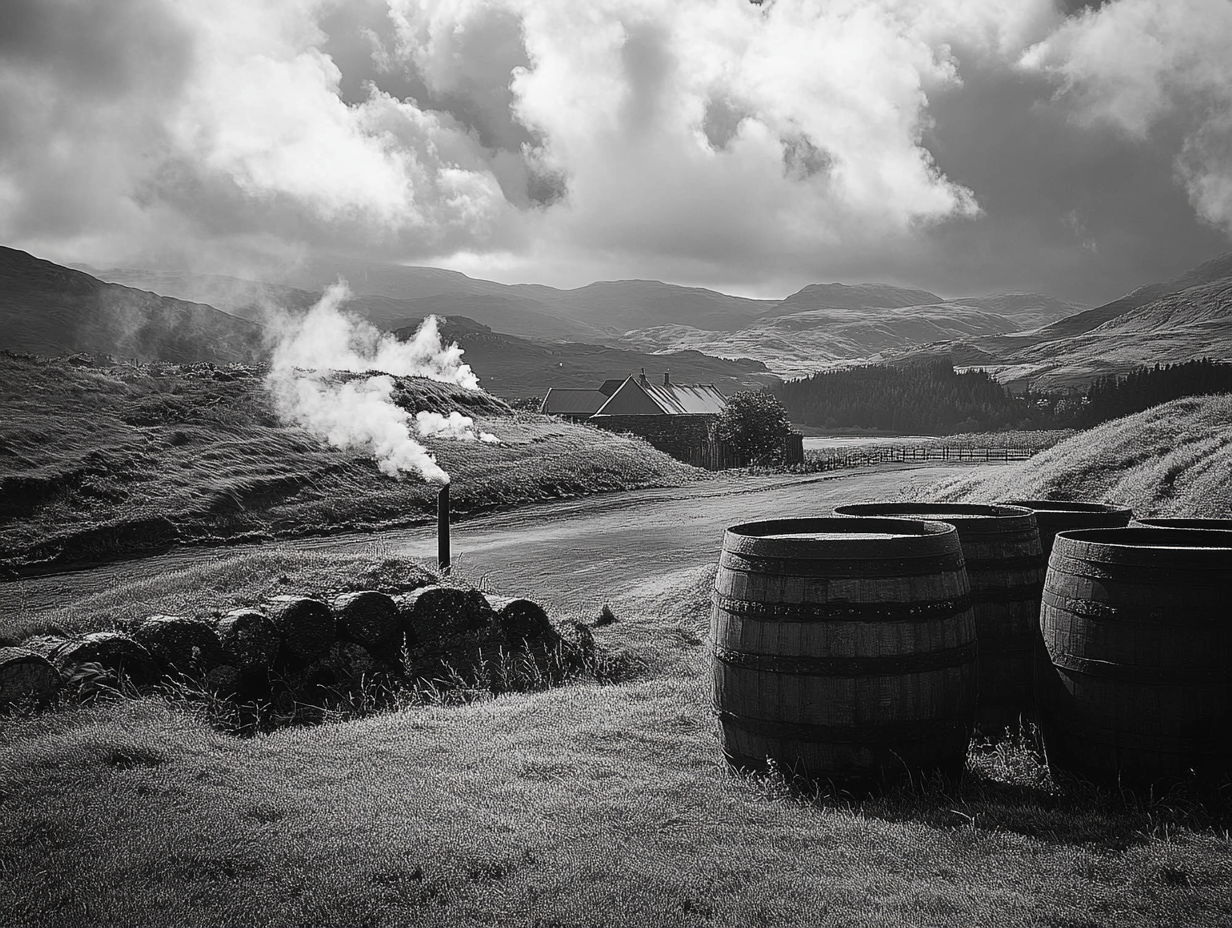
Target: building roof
[
  {"x": 569, "y": 402},
  {"x": 608, "y": 387},
  {"x": 672, "y": 399}
]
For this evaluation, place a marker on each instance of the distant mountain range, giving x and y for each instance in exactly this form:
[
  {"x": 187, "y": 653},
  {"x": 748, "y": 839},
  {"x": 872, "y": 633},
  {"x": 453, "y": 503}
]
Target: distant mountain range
[
  {"x": 387, "y": 294},
  {"x": 52, "y": 310},
  {"x": 799, "y": 343},
  {"x": 815, "y": 327},
  {"x": 523, "y": 338},
  {"x": 1182, "y": 319}
]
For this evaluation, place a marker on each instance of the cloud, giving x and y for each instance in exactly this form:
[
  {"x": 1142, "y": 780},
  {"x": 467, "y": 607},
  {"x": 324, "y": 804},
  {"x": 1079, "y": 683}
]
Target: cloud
[
  {"x": 1155, "y": 66},
  {"x": 177, "y": 124},
  {"x": 703, "y": 141}
]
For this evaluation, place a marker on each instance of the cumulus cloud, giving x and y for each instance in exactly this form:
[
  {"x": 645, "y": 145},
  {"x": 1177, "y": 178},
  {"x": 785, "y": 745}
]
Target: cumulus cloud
[
  {"x": 1138, "y": 64},
  {"x": 698, "y": 140},
  {"x": 222, "y": 123}
]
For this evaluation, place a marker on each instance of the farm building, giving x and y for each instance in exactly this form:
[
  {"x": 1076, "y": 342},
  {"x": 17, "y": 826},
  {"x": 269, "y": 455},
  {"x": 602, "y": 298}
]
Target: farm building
[
  {"x": 578, "y": 404},
  {"x": 678, "y": 419}
]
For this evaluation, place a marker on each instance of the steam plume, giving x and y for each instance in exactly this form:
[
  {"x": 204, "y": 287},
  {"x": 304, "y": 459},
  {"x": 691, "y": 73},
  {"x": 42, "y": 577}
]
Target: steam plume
[{"x": 362, "y": 413}]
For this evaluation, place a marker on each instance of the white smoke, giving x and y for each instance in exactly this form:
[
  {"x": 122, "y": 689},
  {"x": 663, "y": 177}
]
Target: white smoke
[
  {"x": 328, "y": 339},
  {"x": 455, "y": 425},
  {"x": 362, "y": 413}
]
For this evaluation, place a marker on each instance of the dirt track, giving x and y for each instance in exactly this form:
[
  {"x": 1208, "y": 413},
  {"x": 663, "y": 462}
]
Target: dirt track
[{"x": 562, "y": 553}]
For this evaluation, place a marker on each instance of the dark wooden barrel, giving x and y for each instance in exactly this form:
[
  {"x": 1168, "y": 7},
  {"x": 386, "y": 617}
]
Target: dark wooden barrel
[
  {"x": 1005, "y": 567},
  {"x": 1221, "y": 525},
  {"x": 844, "y": 649},
  {"x": 1137, "y": 683},
  {"x": 1052, "y": 516}
]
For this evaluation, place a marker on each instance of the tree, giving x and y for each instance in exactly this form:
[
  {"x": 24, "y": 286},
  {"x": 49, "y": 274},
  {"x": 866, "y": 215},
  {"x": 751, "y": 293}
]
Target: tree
[{"x": 756, "y": 426}]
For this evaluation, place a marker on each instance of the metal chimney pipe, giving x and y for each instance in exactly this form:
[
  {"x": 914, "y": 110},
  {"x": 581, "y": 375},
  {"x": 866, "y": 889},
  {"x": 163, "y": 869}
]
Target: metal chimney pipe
[{"x": 442, "y": 529}]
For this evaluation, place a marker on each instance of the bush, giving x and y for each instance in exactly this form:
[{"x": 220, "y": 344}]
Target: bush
[{"x": 756, "y": 425}]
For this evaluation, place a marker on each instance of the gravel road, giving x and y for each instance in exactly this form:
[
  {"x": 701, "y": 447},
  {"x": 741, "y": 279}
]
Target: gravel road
[{"x": 561, "y": 553}]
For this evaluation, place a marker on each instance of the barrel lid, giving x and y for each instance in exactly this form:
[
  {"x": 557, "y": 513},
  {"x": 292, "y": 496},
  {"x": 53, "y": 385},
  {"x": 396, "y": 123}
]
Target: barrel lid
[
  {"x": 1054, "y": 505},
  {"x": 842, "y": 538},
  {"x": 1221, "y": 525},
  {"x": 1167, "y": 547},
  {"x": 939, "y": 512}
]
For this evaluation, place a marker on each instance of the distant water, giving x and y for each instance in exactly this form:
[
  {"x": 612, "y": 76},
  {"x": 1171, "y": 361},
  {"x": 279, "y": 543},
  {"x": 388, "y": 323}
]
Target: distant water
[{"x": 819, "y": 443}]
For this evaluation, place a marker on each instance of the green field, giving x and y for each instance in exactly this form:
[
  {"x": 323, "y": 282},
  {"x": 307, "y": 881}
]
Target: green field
[{"x": 593, "y": 803}]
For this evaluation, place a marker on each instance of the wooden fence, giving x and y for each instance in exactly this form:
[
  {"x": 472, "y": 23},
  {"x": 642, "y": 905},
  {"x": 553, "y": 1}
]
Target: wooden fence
[{"x": 836, "y": 458}]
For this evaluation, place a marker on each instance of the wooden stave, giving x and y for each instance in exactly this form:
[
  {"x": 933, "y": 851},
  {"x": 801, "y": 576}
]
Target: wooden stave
[
  {"x": 1210, "y": 525},
  {"x": 835, "y": 741},
  {"x": 1005, "y": 567},
  {"x": 1053, "y": 516},
  {"x": 1101, "y": 663}
]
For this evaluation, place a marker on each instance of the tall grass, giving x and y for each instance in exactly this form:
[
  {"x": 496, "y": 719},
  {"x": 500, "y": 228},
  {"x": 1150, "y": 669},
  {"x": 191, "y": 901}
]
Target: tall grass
[{"x": 1172, "y": 460}]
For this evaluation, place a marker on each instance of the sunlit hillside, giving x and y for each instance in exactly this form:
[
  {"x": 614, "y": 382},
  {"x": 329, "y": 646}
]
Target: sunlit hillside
[{"x": 1171, "y": 460}]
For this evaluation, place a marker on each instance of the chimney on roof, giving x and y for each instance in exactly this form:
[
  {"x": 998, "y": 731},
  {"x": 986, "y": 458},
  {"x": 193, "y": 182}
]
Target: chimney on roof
[
  {"x": 667, "y": 380},
  {"x": 642, "y": 379}
]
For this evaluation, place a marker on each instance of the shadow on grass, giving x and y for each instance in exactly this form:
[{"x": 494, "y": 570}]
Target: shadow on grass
[{"x": 1007, "y": 786}]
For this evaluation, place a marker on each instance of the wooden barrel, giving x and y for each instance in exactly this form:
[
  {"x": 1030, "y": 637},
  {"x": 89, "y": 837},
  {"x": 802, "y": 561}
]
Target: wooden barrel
[
  {"x": 1221, "y": 525},
  {"x": 1137, "y": 683},
  {"x": 1005, "y": 567},
  {"x": 1052, "y": 516},
  {"x": 844, "y": 649}
]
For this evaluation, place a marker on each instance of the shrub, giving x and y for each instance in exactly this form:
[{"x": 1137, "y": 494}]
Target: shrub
[{"x": 756, "y": 425}]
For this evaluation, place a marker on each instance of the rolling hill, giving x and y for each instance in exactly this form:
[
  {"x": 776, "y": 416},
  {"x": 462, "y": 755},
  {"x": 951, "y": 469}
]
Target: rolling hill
[
  {"x": 1182, "y": 319},
  {"x": 387, "y": 294},
  {"x": 803, "y": 342},
  {"x": 1174, "y": 459},
  {"x": 514, "y": 367},
  {"x": 51, "y": 310}
]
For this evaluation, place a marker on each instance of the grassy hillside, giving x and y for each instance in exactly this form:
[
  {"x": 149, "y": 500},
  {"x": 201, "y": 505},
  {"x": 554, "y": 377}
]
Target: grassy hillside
[
  {"x": 1167, "y": 323},
  {"x": 1171, "y": 460},
  {"x": 101, "y": 460},
  {"x": 52, "y": 310}
]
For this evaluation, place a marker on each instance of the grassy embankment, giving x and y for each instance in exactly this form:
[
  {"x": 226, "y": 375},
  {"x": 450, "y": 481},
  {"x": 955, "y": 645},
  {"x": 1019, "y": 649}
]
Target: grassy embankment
[
  {"x": 588, "y": 805},
  {"x": 101, "y": 460},
  {"x": 1171, "y": 460}
]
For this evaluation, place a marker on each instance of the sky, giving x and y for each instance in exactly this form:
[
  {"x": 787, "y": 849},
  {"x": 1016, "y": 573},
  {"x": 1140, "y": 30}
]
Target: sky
[{"x": 963, "y": 146}]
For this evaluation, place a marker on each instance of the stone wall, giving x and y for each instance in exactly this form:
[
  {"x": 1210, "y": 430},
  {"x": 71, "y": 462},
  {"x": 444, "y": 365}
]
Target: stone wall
[
  {"x": 691, "y": 439},
  {"x": 679, "y": 436}
]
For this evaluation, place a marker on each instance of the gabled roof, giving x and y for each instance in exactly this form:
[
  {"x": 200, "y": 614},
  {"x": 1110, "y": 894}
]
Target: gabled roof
[
  {"x": 569, "y": 402},
  {"x": 637, "y": 396},
  {"x": 687, "y": 398},
  {"x": 608, "y": 387}
]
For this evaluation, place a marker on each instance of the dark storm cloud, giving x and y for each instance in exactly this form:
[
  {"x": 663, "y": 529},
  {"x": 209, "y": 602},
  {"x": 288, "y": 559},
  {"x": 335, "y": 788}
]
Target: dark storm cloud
[{"x": 1081, "y": 212}]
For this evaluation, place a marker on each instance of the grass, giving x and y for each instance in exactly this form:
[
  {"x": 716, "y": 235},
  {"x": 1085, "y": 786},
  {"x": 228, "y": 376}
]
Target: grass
[
  {"x": 1174, "y": 459},
  {"x": 101, "y": 460},
  {"x": 589, "y": 804}
]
